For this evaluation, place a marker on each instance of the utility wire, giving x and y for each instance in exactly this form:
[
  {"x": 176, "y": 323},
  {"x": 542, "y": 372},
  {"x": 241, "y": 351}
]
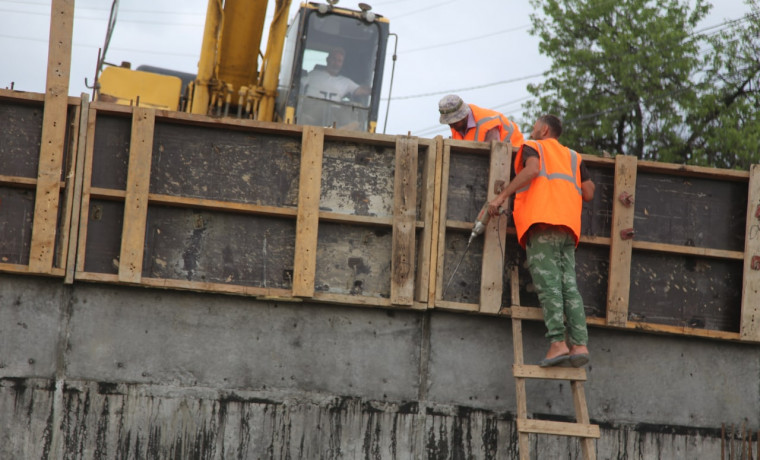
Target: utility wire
[
  {"x": 121, "y": 11},
  {"x": 479, "y": 37},
  {"x": 469, "y": 88},
  {"x": 409, "y": 13}
]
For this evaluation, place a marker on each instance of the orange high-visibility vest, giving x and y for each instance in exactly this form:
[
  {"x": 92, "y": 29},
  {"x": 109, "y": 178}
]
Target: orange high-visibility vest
[
  {"x": 554, "y": 197},
  {"x": 485, "y": 120}
]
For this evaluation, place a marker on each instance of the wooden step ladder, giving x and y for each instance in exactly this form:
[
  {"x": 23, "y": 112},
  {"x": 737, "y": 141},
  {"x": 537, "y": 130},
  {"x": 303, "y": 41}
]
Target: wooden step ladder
[{"x": 521, "y": 371}]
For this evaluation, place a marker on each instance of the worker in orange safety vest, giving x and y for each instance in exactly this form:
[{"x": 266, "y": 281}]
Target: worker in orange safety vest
[
  {"x": 473, "y": 123},
  {"x": 551, "y": 184}
]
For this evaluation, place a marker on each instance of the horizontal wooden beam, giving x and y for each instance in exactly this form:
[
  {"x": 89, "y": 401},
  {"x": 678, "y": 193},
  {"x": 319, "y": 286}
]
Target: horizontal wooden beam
[
  {"x": 688, "y": 250},
  {"x": 24, "y": 182},
  {"x": 529, "y": 371},
  {"x": 245, "y": 208},
  {"x": 558, "y": 428}
]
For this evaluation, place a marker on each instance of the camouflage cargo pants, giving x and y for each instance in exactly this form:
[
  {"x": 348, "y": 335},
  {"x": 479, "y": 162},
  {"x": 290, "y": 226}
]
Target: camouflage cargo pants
[{"x": 551, "y": 261}]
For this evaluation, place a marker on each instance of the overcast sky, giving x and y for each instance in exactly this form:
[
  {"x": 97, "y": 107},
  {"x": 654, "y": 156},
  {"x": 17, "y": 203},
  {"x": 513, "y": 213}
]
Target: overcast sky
[{"x": 479, "y": 49}]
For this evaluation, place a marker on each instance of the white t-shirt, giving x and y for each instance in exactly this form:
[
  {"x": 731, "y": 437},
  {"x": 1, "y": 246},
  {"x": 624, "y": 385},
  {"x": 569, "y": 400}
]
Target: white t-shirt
[{"x": 319, "y": 83}]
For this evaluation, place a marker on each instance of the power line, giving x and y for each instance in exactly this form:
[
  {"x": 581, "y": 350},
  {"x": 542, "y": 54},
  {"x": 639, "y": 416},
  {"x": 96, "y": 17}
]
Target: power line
[
  {"x": 436, "y": 93},
  {"x": 409, "y": 13},
  {"x": 103, "y": 9},
  {"x": 479, "y": 37},
  {"x": 84, "y": 18}
]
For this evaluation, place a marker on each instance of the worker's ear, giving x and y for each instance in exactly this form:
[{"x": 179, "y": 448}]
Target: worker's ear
[{"x": 545, "y": 131}]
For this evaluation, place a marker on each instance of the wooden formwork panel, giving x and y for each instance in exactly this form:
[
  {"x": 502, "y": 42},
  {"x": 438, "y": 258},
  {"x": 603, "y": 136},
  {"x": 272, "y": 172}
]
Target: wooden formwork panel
[
  {"x": 241, "y": 204},
  {"x": 690, "y": 211},
  {"x": 219, "y": 247},
  {"x": 685, "y": 291},
  {"x": 20, "y": 137},
  {"x": 21, "y": 115},
  {"x": 592, "y": 268},
  {"x": 102, "y": 246},
  {"x": 471, "y": 172},
  {"x": 357, "y": 179},
  {"x": 354, "y": 260},
  {"x": 16, "y": 215},
  {"x": 225, "y": 164},
  {"x": 110, "y": 151},
  {"x": 467, "y": 190}
]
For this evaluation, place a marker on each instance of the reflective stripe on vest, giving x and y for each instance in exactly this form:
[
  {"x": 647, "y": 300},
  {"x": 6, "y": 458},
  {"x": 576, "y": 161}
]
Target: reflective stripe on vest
[
  {"x": 558, "y": 176},
  {"x": 508, "y": 128}
]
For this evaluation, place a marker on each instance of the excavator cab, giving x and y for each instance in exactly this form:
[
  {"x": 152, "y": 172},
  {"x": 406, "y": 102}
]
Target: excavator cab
[
  {"x": 332, "y": 68},
  {"x": 290, "y": 84}
]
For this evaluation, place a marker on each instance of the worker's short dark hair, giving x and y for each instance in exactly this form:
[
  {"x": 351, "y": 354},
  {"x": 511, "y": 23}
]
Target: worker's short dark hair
[{"x": 554, "y": 124}]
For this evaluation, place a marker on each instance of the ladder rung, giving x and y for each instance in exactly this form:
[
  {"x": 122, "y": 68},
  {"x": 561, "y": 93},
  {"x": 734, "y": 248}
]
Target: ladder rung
[
  {"x": 558, "y": 428},
  {"x": 517, "y": 312},
  {"x": 531, "y": 371}
]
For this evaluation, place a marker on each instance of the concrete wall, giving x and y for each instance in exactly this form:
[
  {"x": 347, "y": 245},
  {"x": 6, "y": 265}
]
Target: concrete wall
[{"x": 99, "y": 371}]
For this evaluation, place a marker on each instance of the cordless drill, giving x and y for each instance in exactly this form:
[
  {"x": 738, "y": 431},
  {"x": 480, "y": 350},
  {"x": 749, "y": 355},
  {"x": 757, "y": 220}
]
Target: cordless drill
[{"x": 481, "y": 222}]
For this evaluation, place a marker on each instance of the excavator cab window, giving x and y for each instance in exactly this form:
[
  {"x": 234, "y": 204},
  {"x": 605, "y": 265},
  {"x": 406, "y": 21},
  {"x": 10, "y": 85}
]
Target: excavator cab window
[{"x": 332, "y": 69}]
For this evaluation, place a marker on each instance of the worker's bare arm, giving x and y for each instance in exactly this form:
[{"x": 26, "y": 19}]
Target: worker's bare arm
[
  {"x": 523, "y": 178},
  {"x": 587, "y": 190}
]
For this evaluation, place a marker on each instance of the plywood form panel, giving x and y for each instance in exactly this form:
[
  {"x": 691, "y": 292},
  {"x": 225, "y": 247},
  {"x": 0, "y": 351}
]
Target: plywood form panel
[
  {"x": 467, "y": 184},
  {"x": 357, "y": 179},
  {"x": 110, "y": 151},
  {"x": 596, "y": 215},
  {"x": 685, "y": 291},
  {"x": 464, "y": 286},
  {"x": 464, "y": 191},
  {"x": 103, "y": 237},
  {"x": 683, "y": 210},
  {"x": 591, "y": 267},
  {"x": 225, "y": 164},
  {"x": 354, "y": 260},
  {"x": 20, "y": 137},
  {"x": 591, "y": 270},
  {"x": 16, "y": 215},
  {"x": 219, "y": 247}
]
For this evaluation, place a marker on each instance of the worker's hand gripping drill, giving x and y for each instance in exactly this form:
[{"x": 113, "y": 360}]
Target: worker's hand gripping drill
[{"x": 484, "y": 216}]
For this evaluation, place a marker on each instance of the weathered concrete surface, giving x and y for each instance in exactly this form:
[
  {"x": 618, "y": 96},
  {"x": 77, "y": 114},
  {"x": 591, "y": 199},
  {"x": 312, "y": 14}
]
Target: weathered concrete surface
[{"x": 139, "y": 373}]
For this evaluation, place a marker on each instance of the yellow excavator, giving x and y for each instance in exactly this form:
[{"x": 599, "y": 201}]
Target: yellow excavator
[{"x": 231, "y": 83}]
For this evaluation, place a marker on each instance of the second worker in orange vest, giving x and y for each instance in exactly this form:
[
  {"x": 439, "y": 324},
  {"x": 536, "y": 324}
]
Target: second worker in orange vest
[
  {"x": 473, "y": 123},
  {"x": 551, "y": 184}
]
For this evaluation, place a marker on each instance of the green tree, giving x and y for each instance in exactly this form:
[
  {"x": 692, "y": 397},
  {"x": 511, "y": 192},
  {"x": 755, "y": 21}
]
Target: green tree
[
  {"x": 724, "y": 124},
  {"x": 635, "y": 77}
]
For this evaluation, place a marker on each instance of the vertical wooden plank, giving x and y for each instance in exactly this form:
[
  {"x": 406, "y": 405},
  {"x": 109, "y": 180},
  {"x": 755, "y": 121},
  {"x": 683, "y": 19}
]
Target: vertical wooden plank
[
  {"x": 492, "y": 268},
  {"x": 136, "y": 198},
  {"x": 64, "y": 235},
  {"x": 750, "y": 316},
  {"x": 53, "y": 137},
  {"x": 427, "y": 205},
  {"x": 307, "y": 220},
  {"x": 441, "y": 252},
  {"x": 619, "y": 283},
  {"x": 76, "y": 187},
  {"x": 582, "y": 417},
  {"x": 523, "y": 439},
  {"x": 435, "y": 223},
  {"x": 404, "y": 217},
  {"x": 84, "y": 215}
]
